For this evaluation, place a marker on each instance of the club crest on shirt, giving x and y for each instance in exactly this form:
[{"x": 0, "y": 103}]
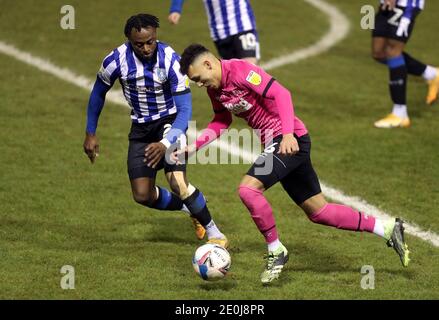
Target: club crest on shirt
[
  {"x": 161, "y": 74},
  {"x": 254, "y": 78}
]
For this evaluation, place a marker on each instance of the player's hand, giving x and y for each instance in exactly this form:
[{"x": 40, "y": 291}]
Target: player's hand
[
  {"x": 174, "y": 17},
  {"x": 403, "y": 27},
  {"x": 388, "y": 5},
  {"x": 178, "y": 155},
  {"x": 288, "y": 145},
  {"x": 154, "y": 152},
  {"x": 91, "y": 146},
  {"x": 190, "y": 150},
  {"x": 185, "y": 153}
]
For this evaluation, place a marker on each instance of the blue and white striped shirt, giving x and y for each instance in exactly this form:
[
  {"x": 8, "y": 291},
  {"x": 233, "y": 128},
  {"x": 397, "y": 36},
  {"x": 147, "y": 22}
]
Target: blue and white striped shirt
[
  {"x": 409, "y": 5},
  {"x": 148, "y": 86},
  {"x": 226, "y": 17}
]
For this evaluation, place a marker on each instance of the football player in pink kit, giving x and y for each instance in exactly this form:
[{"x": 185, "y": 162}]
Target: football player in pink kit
[{"x": 238, "y": 87}]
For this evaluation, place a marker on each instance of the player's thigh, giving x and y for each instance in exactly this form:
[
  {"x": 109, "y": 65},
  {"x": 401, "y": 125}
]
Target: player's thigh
[
  {"x": 271, "y": 167},
  {"x": 379, "y": 45},
  {"x": 136, "y": 164},
  {"x": 394, "y": 48},
  {"x": 140, "y": 136},
  {"x": 382, "y": 28},
  {"x": 302, "y": 184}
]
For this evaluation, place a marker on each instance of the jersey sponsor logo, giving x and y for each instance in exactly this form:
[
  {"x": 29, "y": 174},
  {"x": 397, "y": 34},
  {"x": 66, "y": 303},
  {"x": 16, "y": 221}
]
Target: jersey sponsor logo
[
  {"x": 254, "y": 78},
  {"x": 186, "y": 83},
  {"x": 240, "y": 107},
  {"x": 148, "y": 89},
  {"x": 238, "y": 93}
]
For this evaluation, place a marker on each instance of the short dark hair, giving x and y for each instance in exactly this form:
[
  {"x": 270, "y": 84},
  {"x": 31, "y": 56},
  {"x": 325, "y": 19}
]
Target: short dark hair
[
  {"x": 189, "y": 55},
  {"x": 139, "y": 21}
]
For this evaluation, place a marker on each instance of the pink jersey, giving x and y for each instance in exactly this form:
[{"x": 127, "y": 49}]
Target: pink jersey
[{"x": 249, "y": 92}]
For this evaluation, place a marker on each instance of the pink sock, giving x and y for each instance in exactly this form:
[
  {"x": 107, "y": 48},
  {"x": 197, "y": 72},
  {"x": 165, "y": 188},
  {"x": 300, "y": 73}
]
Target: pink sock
[
  {"x": 343, "y": 217},
  {"x": 260, "y": 211}
]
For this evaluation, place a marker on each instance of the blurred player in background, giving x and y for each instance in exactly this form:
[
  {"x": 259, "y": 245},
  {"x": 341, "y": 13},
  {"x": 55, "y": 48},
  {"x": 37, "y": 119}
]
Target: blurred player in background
[
  {"x": 161, "y": 107},
  {"x": 232, "y": 27},
  {"x": 394, "y": 24},
  {"x": 238, "y": 87}
]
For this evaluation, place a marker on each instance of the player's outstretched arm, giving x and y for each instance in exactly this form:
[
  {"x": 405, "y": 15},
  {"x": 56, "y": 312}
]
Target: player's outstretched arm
[
  {"x": 215, "y": 128},
  {"x": 95, "y": 105},
  {"x": 175, "y": 11}
]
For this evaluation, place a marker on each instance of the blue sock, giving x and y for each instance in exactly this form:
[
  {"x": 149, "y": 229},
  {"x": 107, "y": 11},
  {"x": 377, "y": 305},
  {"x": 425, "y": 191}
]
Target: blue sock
[
  {"x": 167, "y": 200},
  {"x": 398, "y": 79},
  {"x": 198, "y": 208}
]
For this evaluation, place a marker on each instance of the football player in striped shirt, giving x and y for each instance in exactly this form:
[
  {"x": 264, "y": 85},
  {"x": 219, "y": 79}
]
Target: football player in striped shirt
[
  {"x": 161, "y": 106},
  {"x": 247, "y": 91},
  {"x": 394, "y": 24},
  {"x": 232, "y": 27}
]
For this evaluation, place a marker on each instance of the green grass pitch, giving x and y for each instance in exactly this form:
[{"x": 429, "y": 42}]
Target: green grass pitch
[{"x": 56, "y": 209}]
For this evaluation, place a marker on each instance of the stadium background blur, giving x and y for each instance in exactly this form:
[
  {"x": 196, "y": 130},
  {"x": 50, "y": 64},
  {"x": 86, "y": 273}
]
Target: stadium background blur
[{"x": 56, "y": 209}]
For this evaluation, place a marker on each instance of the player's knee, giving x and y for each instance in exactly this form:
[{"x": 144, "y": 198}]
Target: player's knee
[
  {"x": 144, "y": 197},
  {"x": 392, "y": 52},
  {"x": 379, "y": 55}
]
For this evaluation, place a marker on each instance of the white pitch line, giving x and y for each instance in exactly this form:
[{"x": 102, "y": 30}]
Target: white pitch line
[
  {"x": 324, "y": 44},
  {"x": 339, "y": 29}
]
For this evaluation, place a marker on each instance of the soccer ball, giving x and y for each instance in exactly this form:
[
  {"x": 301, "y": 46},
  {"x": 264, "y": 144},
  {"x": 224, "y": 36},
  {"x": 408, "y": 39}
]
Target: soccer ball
[{"x": 211, "y": 262}]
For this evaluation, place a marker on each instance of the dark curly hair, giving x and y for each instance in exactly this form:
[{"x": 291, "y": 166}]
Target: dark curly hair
[{"x": 139, "y": 21}]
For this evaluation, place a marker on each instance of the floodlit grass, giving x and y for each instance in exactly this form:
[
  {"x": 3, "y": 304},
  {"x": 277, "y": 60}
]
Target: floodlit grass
[{"x": 56, "y": 209}]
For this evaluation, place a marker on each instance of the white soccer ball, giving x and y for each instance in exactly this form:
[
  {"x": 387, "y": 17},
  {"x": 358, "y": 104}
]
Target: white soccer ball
[{"x": 211, "y": 262}]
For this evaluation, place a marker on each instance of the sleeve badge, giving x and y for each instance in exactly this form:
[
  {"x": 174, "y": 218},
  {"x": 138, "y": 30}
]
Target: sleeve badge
[{"x": 254, "y": 78}]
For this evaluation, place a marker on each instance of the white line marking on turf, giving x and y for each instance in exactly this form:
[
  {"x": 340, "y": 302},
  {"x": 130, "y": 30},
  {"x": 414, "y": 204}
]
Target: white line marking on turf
[
  {"x": 324, "y": 44},
  {"x": 338, "y": 31}
]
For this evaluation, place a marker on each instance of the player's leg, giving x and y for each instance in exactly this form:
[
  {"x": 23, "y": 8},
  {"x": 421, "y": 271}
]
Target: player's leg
[
  {"x": 346, "y": 218},
  {"x": 195, "y": 201},
  {"x": 142, "y": 177},
  {"x": 397, "y": 86},
  {"x": 379, "y": 45},
  {"x": 428, "y": 72},
  {"x": 180, "y": 188},
  {"x": 390, "y": 53},
  {"x": 303, "y": 186},
  {"x": 251, "y": 193},
  {"x": 380, "y": 35},
  {"x": 144, "y": 190},
  {"x": 269, "y": 168},
  {"x": 418, "y": 68}
]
